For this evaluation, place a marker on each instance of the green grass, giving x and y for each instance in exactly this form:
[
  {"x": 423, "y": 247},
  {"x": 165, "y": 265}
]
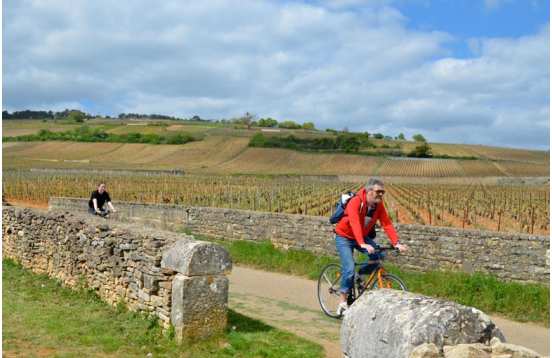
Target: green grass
[
  {"x": 517, "y": 301},
  {"x": 40, "y": 317},
  {"x": 520, "y": 302}
]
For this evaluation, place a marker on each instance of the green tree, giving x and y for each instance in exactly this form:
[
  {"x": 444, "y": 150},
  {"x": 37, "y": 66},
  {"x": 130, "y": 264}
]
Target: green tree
[
  {"x": 419, "y": 138},
  {"x": 267, "y": 122},
  {"x": 348, "y": 143},
  {"x": 308, "y": 125},
  {"x": 258, "y": 140},
  {"x": 421, "y": 151},
  {"x": 289, "y": 125},
  {"x": 248, "y": 119},
  {"x": 401, "y": 136},
  {"x": 76, "y": 116}
]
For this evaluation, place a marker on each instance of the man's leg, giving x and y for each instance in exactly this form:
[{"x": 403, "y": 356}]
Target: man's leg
[
  {"x": 345, "y": 250},
  {"x": 366, "y": 268}
]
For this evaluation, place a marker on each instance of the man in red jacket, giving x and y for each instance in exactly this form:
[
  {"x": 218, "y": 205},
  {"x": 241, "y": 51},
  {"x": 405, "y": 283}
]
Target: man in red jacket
[{"x": 356, "y": 230}]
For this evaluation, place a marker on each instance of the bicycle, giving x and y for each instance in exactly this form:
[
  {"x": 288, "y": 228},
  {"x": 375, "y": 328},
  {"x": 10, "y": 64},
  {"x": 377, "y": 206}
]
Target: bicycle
[{"x": 329, "y": 283}]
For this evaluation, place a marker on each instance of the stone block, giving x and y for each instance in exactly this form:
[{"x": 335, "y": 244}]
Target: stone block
[
  {"x": 465, "y": 351},
  {"x": 426, "y": 350},
  {"x": 151, "y": 283},
  {"x": 194, "y": 258},
  {"x": 514, "y": 350},
  {"x": 199, "y": 318}
]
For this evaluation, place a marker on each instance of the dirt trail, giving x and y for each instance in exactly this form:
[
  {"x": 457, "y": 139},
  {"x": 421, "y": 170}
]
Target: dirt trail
[{"x": 290, "y": 303}]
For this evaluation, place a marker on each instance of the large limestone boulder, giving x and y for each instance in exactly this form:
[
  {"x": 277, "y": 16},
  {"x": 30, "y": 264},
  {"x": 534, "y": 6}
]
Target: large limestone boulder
[{"x": 390, "y": 323}]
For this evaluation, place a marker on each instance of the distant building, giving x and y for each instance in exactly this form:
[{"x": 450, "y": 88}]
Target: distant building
[{"x": 270, "y": 130}]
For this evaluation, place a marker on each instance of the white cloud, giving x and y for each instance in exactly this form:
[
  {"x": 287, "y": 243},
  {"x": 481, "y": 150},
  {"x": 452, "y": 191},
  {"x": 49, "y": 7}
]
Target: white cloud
[{"x": 352, "y": 65}]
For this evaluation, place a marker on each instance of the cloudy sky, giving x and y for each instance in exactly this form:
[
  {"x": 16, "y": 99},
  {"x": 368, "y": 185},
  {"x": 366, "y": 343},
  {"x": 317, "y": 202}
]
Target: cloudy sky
[{"x": 474, "y": 71}]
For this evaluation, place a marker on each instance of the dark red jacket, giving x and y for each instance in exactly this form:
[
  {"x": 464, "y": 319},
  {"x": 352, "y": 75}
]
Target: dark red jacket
[{"x": 352, "y": 224}]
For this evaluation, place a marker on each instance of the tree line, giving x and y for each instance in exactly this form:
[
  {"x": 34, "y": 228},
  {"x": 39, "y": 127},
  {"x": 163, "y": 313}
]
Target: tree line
[
  {"x": 343, "y": 141},
  {"x": 87, "y": 134}
]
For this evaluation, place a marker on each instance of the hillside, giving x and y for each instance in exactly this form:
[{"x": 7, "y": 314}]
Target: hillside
[{"x": 224, "y": 150}]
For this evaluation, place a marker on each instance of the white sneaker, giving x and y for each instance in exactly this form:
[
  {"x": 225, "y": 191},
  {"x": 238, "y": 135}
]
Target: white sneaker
[{"x": 341, "y": 308}]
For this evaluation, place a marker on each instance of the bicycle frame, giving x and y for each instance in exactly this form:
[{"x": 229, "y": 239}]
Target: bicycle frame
[{"x": 375, "y": 276}]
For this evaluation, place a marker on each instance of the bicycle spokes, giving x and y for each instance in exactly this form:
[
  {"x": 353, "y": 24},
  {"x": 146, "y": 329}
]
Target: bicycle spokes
[{"x": 329, "y": 289}]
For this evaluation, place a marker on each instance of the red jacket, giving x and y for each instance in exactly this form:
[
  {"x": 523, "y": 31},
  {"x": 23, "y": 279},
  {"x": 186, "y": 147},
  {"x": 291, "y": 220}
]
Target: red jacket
[{"x": 352, "y": 225}]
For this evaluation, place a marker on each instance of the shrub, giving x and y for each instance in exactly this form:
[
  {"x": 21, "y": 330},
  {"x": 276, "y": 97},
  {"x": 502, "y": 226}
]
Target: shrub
[
  {"x": 267, "y": 122},
  {"x": 86, "y": 134},
  {"x": 421, "y": 151},
  {"x": 308, "y": 125},
  {"x": 289, "y": 125}
]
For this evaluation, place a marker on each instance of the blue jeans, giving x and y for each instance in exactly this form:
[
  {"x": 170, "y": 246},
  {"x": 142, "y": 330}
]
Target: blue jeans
[{"x": 345, "y": 250}]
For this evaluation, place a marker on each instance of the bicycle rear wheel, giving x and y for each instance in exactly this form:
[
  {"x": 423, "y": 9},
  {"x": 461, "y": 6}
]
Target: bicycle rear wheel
[
  {"x": 328, "y": 289},
  {"x": 390, "y": 281}
]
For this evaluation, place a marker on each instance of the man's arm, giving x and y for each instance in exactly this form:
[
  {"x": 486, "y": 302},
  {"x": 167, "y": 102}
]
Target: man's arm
[
  {"x": 95, "y": 202},
  {"x": 108, "y": 201},
  {"x": 111, "y": 206},
  {"x": 353, "y": 211}
]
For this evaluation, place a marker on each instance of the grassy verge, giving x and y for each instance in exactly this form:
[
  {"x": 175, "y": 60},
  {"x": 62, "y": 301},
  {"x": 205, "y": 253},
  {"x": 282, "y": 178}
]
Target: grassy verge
[
  {"x": 520, "y": 302},
  {"x": 42, "y": 318}
]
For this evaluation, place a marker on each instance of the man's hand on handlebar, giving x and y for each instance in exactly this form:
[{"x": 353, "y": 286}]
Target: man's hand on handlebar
[
  {"x": 368, "y": 248},
  {"x": 401, "y": 247}
]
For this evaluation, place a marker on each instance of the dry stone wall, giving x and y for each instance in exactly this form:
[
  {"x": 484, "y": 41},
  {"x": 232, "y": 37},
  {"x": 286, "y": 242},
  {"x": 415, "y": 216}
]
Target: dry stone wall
[
  {"x": 508, "y": 256},
  {"x": 173, "y": 276}
]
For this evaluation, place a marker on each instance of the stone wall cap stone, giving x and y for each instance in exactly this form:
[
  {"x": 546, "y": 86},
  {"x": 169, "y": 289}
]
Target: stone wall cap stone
[{"x": 194, "y": 258}]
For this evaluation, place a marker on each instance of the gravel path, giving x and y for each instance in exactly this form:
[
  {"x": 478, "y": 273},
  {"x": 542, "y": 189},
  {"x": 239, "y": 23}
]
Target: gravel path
[{"x": 290, "y": 303}]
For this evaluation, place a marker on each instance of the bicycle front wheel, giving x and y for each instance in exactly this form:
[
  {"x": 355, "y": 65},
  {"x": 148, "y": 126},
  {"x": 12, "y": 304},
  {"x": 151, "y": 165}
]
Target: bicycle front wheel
[
  {"x": 328, "y": 289},
  {"x": 390, "y": 281}
]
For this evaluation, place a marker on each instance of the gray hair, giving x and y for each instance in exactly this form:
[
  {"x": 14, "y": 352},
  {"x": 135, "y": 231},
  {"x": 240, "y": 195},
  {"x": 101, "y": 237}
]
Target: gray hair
[{"x": 372, "y": 182}]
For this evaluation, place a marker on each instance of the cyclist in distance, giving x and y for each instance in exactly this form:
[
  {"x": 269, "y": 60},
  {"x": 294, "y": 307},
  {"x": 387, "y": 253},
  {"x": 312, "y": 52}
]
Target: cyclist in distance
[
  {"x": 356, "y": 230},
  {"x": 97, "y": 200}
]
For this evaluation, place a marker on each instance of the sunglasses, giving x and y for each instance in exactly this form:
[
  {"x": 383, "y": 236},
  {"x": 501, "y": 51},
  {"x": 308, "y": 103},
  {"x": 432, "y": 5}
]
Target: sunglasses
[{"x": 379, "y": 192}]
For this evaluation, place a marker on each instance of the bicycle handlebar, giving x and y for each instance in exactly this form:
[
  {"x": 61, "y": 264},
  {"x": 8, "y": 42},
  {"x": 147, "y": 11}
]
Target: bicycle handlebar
[{"x": 386, "y": 248}]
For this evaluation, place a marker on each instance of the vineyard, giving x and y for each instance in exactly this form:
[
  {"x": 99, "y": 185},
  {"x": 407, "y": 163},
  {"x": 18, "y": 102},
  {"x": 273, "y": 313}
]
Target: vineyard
[
  {"x": 287, "y": 195},
  {"x": 491, "y": 207},
  {"x": 513, "y": 208}
]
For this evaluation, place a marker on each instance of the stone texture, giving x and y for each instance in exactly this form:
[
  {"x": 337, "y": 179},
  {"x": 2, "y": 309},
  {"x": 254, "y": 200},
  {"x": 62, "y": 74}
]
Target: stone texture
[
  {"x": 508, "y": 256},
  {"x": 195, "y": 258},
  {"x": 466, "y": 351},
  {"x": 198, "y": 318},
  {"x": 426, "y": 350},
  {"x": 514, "y": 350},
  {"x": 390, "y": 323},
  {"x": 122, "y": 263}
]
